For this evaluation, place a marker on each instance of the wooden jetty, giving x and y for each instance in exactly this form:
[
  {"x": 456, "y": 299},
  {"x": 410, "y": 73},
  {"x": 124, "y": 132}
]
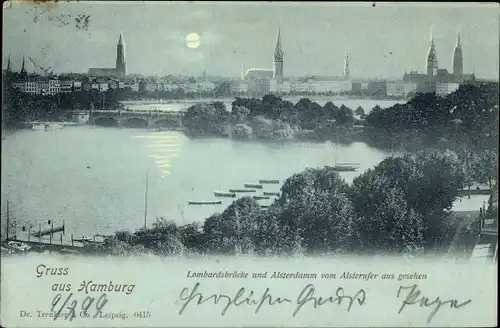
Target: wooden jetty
[{"x": 48, "y": 231}]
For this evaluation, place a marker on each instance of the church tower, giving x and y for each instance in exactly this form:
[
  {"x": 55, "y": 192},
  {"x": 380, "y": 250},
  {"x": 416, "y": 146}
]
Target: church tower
[
  {"x": 432, "y": 63},
  {"x": 8, "y": 64},
  {"x": 346, "y": 67},
  {"x": 278, "y": 59},
  {"x": 458, "y": 64},
  {"x": 23, "y": 72},
  {"x": 121, "y": 64}
]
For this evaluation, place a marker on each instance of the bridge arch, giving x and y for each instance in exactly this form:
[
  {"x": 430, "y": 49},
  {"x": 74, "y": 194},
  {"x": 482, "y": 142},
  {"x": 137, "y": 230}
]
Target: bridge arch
[
  {"x": 107, "y": 121},
  {"x": 136, "y": 122},
  {"x": 168, "y": 123}
]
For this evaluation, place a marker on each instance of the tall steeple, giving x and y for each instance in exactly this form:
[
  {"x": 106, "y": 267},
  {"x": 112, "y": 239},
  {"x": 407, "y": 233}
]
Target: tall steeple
[
  {"x": 458, "y": 62},
  {"x": 346, "y": 67},
  {"x": 278, "y": 57},
  {"x": 8, "y": 63},
  {"x": 23, "y": 72},
  {"x": 243, "y": 72},
  {"x": 432, "y": 64},
  {"x": 121, "y": 64}
]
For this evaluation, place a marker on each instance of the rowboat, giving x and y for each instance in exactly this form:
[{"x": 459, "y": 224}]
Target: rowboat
[
  {"x": 261, "y": 197},
  {"x": 242, "y": 190},
  {"x": 345, "y": 168},
  {"x": 270, "y": 193},
  {"x": 216, "y": 202},
  {"x": 253, "y": 185},
  {"x": 264, "y": 181},
  {"x": 224, "y": 194}
]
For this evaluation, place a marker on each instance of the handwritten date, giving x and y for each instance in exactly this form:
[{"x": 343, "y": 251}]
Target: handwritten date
[{"x": 86, "y": 306}]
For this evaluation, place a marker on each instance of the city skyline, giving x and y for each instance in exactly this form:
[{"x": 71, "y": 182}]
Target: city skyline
[{"x": 228, "y": 41}]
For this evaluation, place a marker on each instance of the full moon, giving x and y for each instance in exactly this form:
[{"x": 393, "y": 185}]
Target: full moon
[{"x": 193, "y": 40}]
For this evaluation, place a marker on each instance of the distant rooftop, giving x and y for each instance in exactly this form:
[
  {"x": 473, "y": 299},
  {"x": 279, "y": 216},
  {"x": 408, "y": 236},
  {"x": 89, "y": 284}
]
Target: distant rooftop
[{"x": 259, "y": 73}]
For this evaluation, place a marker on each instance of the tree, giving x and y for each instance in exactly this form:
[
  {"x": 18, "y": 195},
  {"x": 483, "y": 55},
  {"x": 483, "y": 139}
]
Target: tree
[
  {"x": 242, "y": 132},
  {"x": 234, "y": 230},
  {"x": 483, "y": 167},
  {"x": 425, "y": 184},
  {"x": 239, "y": 114},
  {"x": 385, "y": 221},
  {"x": 316, "y": 215},
  {"x": 360, "y": 111},
  {"x": 162, "y": 239}
]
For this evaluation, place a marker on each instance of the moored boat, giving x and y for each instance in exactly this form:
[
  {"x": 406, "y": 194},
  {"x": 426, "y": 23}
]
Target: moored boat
[
  {"x": 345, "y": 168},
  {"x": 54, "y": 126},
  {"x": 253, "y": 185},
  {"x": 38, "y": 127},
  {"x": 266, "y": 181},
  {"x": 271, "y": 193},
  {"x": 224, "y": 194},
  {"x": 242, "y": 190},
  {"x": 261, "y": 197},
  {"x": 215, "y": 202}
]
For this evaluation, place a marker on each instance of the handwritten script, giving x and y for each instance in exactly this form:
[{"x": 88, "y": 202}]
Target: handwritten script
[
  {"x": 414, "y": 297},
  {"x": 86, "y": 305},
  {"x": 244, "y": 297}
]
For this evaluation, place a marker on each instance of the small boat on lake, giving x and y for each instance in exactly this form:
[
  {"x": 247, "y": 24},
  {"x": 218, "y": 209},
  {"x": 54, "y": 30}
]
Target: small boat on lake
[
  {"x": 345, "y": 167},
  {"x": 261, "y": 197},
  {"x": 265, "y": 181},
  {"x": 224, "y": 194},
  {"x": 215, "y": 202},
  {"x": 242, "y": 190},
  {"x": 38, "y": 127},
  {"x": 46, "y": 126},
  {"x": 271, "y": 193},
  {"x": 54, "y": 126},
  {"x": 253, "y": 185},
  {"x": 264, "y": 206}
]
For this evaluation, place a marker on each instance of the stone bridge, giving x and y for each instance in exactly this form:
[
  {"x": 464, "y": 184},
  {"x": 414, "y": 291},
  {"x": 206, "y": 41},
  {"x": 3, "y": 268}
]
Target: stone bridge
[{"x": 137, "y": 119}]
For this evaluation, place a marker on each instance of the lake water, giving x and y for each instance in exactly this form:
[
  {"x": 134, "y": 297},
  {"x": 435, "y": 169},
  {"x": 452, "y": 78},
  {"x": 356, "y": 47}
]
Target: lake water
[
  {"x": 94, "y": 178},
  {"x": 184, "y": 104}
]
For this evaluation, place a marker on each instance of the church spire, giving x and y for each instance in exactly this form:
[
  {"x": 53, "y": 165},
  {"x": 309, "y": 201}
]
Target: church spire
[
  {"x": 346, "y": 66},
  {"x": 120, "y": 41},
  {"x": 8, "y": 63},
  {"x": 431, "y": 64},
  {"x": 121, "y": 63},
  {"x": 278, "y": 52},
  {"x": 458, "y": 61},
  {"x": 278, "y": 58}
]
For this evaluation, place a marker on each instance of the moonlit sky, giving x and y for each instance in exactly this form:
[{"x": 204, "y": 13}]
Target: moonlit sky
[{"x": 315, "y": 37}]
